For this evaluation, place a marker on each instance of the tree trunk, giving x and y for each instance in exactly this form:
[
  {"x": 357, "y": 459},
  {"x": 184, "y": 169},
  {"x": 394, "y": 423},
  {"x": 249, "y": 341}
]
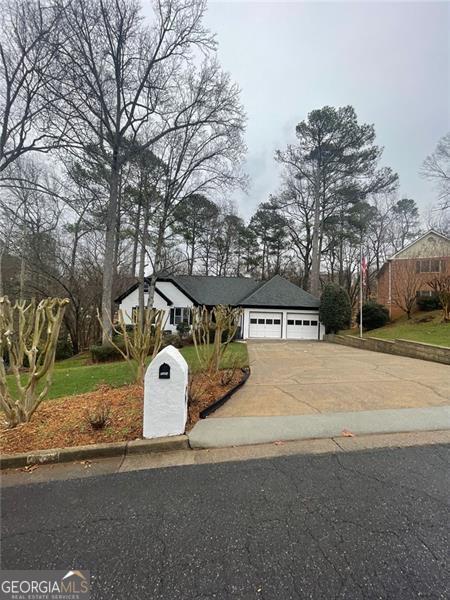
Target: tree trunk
[
  {"x": 142, "y": 266},
  {"x": 110, "y": 244},
  {"x": 314, "y": 281},
  {"x": 156, "y": 264},
  {"x": 1, "y": 272},
  {"x": 136, "y": 239}
]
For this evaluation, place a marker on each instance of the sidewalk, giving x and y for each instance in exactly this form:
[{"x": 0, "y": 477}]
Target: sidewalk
[{"x": 242, "y": 431}]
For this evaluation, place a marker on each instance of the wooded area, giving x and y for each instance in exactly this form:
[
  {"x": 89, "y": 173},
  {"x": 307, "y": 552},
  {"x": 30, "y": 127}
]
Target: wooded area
[{"x": 121, "y": 143}]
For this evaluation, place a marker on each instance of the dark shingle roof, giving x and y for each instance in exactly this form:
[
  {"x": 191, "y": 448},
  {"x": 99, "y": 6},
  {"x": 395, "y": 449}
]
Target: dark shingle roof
[
  {"x": 280, "y": 292},
  {"x": 239, "y": 291},
  {"x": 243, "y": 291},
  {"x": 211, "y": 290}
]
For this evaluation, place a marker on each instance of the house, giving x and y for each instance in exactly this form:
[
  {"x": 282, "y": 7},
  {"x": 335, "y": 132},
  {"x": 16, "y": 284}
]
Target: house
[
  {"x": 274, "y": 309},
  {"x": 409, "y": 271}
]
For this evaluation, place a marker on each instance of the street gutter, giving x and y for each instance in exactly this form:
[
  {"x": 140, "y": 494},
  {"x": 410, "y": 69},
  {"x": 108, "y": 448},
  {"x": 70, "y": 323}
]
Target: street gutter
[{"x": 74, "y": 453}]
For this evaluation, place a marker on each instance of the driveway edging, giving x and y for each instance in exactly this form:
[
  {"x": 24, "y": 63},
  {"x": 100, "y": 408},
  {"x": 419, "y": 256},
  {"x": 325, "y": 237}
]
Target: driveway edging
[{"x": 73, "y": 453}]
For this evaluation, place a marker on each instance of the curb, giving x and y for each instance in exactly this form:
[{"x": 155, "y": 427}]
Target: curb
[
  {"x": 218, "y": 403},
  {"x": 61, "y": 455}
]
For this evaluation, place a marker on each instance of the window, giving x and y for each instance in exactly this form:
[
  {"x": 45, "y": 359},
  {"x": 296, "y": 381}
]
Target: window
[
  {"x": 429, "y": 266},
  {"x": 298, "y": 322},
  {"x": 180, "y": 314},
  {"x": 306, "y": 323},
  {"x": 313, "y": 323},
  {"x": 253, "y": 321},
  {"x": 276, "y": 322},
  {"x": 290, "y": 321},
  {"x": 424, "y": 293},
  {"x": 261, "y": 321},
  {"x": 269, "y": 321}
]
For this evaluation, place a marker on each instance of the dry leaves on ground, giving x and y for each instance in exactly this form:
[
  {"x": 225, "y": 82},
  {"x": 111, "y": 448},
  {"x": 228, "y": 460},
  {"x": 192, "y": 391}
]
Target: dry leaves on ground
[{"x": 62, "y": 423}]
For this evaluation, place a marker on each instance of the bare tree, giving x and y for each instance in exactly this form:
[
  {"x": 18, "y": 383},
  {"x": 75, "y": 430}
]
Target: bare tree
[
  {"x": 441, "y": 287},
  {"x": 124, "y": 78},
  {"x": 405, "y": 285},
  {"x": 30, "y": 39},
  {"x": 202, "y": 157},
  {"x": 436, "y": 168}
]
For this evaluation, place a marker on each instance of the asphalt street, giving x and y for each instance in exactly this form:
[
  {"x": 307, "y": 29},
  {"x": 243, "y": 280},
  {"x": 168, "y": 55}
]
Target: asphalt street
[{"x": 357, "y": 525}]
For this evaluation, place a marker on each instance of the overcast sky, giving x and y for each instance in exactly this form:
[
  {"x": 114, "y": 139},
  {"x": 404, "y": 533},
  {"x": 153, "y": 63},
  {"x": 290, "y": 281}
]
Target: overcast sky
[{"x": 389, "y": 60}]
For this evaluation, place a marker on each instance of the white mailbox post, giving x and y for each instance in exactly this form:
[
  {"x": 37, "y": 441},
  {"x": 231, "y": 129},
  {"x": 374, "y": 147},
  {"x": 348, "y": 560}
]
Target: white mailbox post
[{"x": 165, "y": 394}]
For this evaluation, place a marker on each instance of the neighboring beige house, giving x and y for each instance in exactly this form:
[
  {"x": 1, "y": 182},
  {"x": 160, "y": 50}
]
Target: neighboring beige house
[{"x": 409, "y": 270}]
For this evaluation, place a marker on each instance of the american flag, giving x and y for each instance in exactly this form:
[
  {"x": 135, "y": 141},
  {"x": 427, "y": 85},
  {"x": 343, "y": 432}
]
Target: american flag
[{"x": 364, "y": 270}]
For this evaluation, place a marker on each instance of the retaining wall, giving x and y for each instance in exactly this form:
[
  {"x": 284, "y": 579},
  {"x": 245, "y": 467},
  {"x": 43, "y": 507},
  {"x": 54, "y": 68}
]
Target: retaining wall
[{"x": 438, "y": 354}]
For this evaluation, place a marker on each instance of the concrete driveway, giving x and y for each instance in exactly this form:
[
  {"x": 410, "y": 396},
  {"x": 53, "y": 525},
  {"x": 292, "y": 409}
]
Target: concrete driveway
[{"x": 298, "y": 378}]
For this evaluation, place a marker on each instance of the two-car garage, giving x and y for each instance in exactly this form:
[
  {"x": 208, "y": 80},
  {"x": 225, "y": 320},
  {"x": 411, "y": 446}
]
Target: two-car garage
[{"x": 284, "y": 325}]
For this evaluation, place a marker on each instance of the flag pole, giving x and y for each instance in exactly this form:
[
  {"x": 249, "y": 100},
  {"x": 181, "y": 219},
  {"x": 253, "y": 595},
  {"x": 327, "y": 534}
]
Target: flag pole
[{"x": 360, "y": 291}]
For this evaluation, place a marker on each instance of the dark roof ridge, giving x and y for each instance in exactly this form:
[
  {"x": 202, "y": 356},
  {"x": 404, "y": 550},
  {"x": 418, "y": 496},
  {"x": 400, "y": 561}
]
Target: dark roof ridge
[{"x": 258, "y": 289}]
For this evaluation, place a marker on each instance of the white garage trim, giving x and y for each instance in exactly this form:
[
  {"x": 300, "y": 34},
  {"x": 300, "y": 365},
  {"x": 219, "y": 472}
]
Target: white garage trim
[{"x": 265, "y": 324}]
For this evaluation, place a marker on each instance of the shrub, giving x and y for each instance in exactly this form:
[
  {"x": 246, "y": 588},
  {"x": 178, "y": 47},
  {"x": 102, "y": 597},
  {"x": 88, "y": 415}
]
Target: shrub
[
  {"x": 373, "y": 315},
  {"x": 101, "y": 354},
  {"x": 98, "y": 417},
  {"x": 428, "y": 303},
  {"x": 335, "y": 308},
  {"x": 63, "y": 349},
  {"x": 183, "y": 329},
  {"x": 172, "y": 339}
]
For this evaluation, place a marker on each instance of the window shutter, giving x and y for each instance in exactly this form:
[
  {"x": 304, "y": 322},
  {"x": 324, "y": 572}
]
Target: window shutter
[{"x": 172, "y": 314}]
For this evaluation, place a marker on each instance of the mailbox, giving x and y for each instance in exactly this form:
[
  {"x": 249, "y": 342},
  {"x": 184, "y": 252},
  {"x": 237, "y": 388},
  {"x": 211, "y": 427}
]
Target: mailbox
[
  {"x": 165, "y": 394},
  {"x": 164, "y": 371}
]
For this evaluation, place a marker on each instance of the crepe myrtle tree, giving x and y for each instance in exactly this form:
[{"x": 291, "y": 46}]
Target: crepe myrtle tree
[
  {"x": 140, "y": 339},
  {"x": 28, "y": 338},
  {"x": 212, "y": 331}
]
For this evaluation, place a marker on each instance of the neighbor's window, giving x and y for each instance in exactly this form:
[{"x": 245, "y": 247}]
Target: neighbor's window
[
  {"x": 180, "y": 314},
  {"x": 429, "y": 265},
  {"x": 424, "y": 293}
]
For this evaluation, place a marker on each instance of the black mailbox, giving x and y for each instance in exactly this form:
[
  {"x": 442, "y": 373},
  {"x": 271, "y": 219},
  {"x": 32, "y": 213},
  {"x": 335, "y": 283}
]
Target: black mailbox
[{"x": 164, "y": 371}]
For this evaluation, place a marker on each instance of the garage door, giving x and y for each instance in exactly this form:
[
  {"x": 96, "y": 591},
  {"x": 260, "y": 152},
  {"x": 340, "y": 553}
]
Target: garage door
[
  {"x": 265, "y": 325},
  {"x": 302, "y": 327}
]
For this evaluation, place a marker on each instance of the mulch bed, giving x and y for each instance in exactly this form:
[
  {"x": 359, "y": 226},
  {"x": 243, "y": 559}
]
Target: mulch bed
[{"x": 62, "y": 422}]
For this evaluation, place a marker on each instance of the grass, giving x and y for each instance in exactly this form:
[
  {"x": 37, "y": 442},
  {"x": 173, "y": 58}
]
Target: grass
[
  {"x": 433, "y": 332},
  {"x": 72, "y": 376}
]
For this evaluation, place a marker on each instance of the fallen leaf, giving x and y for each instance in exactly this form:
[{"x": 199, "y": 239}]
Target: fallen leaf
[
  {"x": 30, "y": 468},
  {"x": 347, "y": 433}
]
